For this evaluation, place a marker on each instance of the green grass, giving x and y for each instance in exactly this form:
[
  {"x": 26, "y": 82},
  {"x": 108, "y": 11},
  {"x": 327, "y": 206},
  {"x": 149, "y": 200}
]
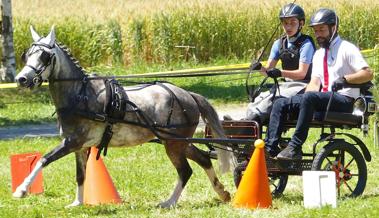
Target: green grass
[
  {"x": 22, "y": 106},
  {"x": 144, "y": 176}
]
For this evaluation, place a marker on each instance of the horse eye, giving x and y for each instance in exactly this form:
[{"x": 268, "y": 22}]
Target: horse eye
[
  {"x": 45, "y": 58},
  {"x": 23, "y": 56}
]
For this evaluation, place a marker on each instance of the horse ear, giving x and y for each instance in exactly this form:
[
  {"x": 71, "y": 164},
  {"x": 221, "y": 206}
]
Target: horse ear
[
  {"x": 35, "y": 35},
  {"x": 51, "y": 37}
]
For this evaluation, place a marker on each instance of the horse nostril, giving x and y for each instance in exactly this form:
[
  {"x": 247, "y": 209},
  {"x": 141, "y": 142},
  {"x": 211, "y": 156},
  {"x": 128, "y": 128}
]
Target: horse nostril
[{"x": 21, "y": 80}]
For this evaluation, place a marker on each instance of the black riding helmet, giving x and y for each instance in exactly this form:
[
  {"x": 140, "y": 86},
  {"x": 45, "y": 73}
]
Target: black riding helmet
[
  {"x": 324, "y": 16},
  {"x": 292, "y": 10}
]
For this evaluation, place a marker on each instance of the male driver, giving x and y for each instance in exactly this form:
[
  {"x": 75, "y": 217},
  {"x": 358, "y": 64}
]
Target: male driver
[{"x": 336, "y": 63}]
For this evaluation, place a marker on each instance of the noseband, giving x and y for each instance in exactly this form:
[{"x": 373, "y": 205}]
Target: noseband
[{"x": 46, "y": 58}]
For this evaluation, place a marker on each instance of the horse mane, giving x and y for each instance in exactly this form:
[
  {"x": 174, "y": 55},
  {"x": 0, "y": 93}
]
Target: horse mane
[{"x": 66, "y": 50}]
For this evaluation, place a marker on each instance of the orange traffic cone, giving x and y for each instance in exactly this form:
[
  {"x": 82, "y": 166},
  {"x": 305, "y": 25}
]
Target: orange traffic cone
[
  {"x": 98, "y": 185},
  {"x": 254, "y": 190},
  {"x": 21, "y": 166}
]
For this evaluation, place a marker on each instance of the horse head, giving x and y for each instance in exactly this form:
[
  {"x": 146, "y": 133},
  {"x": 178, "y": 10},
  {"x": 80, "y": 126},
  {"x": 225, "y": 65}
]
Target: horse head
[{"x": 39, "y": 60}]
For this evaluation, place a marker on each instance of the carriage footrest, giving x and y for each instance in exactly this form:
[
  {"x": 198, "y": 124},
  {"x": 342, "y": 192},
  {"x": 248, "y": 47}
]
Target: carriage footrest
[{"x": 290, "y": 167}]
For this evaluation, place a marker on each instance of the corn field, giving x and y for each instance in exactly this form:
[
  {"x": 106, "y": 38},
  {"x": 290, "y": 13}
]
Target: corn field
[{"x": 123, "y": 32}]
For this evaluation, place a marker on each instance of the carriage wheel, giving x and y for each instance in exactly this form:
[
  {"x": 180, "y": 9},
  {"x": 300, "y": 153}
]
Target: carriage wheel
[
  {"x": 348, "y": 164},
  {"x": 277, "y": 182}
]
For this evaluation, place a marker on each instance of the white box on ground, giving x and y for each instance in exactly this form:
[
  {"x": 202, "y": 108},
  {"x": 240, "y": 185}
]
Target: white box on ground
[{"x": 319, "y": 188}]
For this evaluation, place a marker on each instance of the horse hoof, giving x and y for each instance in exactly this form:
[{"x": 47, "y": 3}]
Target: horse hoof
[
  {"x": 226, "y": 197},
  {"x": 19, "y": 193},
  {"x": 167, "y": 204},
  {"x": 74, "y": 204}
]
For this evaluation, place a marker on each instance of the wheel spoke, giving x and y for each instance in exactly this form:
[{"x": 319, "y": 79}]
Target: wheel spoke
[
  {"x": 341, "y": 155},
  {"x": 335, "y": 168},
  {"x": 329, "y": 161},
  {"x": 273, "y": 184},
  {"x": 351, "y": 161},
  {"x": 338, "y": 157},
  {"x": 348, "y": 186}
]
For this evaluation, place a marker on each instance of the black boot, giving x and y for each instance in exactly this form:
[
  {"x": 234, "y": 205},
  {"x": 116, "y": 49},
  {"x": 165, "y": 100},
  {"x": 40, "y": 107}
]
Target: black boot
[
  {"x": 290, "y": 153},
  {"x": 227, "y": 117}
]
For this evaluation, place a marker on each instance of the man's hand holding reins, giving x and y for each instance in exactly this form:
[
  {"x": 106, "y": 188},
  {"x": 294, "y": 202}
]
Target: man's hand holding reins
[{"x": 339, "y": 84}]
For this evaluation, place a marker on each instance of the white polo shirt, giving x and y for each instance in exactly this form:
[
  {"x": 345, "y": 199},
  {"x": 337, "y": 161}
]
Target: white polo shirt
[{"x": 343, "y": 58}]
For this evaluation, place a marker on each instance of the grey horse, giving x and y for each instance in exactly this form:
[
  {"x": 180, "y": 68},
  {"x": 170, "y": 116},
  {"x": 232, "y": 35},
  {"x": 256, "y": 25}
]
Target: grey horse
[{"x": 47, "y": 60}]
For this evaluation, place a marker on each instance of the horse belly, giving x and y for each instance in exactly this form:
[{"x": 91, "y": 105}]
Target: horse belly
[{"x": 129, "y": 135}]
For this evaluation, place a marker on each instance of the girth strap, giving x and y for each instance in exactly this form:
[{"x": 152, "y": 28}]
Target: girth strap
[{"x": 115, "y": 108}]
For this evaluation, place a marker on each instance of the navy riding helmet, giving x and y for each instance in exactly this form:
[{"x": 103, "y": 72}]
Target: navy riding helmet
[
  {"x": 324, "y": 16},
  {"x": 292, "y": 10}
]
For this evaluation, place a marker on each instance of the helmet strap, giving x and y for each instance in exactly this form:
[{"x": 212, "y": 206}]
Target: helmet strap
[
  {"x": 333, "y": 34},
  {"x": 300, "y": 27},
  {"x": 297, "y": 34}
]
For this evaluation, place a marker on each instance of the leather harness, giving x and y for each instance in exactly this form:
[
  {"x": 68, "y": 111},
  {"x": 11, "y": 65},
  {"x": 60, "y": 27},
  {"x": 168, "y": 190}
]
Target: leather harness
[{"x": 117, "y": 105}]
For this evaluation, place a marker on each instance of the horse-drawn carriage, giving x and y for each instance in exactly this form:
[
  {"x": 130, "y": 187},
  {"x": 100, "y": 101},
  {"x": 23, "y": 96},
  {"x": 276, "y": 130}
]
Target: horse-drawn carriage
[
  {"x": 95, "y": 110},
  {"x": 334, "y": 150}
]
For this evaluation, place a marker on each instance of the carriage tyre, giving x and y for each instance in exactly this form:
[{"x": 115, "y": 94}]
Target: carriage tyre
[
  {"x": 278, "y": 183},
  {"x": 349, "y": 165}
]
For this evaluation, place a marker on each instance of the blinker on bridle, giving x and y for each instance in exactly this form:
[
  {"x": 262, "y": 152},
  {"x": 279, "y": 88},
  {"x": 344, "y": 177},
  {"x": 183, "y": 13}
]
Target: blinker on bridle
[{"x": 46, "y": 58}]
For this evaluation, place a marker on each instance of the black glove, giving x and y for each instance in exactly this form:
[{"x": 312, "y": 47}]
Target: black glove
[
  {"x": 339, "y": 84},
  {"x": 256, "y": 66},
  {"x": 274, "y": 73}
]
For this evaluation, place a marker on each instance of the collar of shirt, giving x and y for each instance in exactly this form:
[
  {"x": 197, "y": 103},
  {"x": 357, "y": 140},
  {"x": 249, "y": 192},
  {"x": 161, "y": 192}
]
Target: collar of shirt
[
  {"x": 333, "y": 49},
  {"x": 291, "y": 40}
]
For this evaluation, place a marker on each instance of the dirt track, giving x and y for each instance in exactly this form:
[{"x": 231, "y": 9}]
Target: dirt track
[{"x": 25, "y": 131}]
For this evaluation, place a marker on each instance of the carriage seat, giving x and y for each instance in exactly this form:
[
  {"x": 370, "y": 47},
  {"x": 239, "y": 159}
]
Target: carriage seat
[
  {"x": 336, "y": 119},
  {"x": 343, "y": 119}
]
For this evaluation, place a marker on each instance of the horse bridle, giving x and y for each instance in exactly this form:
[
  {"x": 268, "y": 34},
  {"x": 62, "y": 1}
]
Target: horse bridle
[{"x": 46, "y": 58}]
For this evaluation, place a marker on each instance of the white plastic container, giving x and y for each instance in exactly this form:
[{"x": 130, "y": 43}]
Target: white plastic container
[{"x": 319, "y": 189}]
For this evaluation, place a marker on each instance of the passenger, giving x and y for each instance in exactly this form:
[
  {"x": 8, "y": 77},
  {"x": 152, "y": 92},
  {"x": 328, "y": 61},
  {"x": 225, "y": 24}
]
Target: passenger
[
  {"x": 336, "y": 63},
  {"x": 295, "y": 50}
]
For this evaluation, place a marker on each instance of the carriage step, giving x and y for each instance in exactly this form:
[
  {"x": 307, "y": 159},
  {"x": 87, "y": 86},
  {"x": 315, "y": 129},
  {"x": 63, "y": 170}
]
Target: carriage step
[
  {"x": 291, "y": 167},
  {"x": 287, "y": 167}
]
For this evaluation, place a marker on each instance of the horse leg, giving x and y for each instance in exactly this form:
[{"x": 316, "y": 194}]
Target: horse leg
[
  {"x": 175, "y": 152},
  {"x": 66, "y": 146},
  {"x": 204, "y": 161},
  {"x": 81, "y": 163}
]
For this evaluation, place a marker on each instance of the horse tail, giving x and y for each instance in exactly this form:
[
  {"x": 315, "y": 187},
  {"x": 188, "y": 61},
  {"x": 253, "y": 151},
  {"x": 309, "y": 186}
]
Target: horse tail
[{"x": 210, "y": 117}]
